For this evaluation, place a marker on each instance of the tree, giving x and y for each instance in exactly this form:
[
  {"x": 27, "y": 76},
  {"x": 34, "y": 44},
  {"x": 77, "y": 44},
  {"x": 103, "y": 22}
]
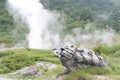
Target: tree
[{"x": 86, "y": 15}]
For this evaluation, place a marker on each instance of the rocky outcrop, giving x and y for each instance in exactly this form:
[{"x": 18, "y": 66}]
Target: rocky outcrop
[
  {"x": 74, "y": 58},
  {"x": 31, "y": 70},
  {"x": 36, "y": 69}
]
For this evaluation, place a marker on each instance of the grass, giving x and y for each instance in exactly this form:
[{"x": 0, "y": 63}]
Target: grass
[
  {"x": 46, "y": 74},
  {"x": 50, "y": 73},
  {"x": 16, "y": 59},
  {"x": 108, "y": 49}
]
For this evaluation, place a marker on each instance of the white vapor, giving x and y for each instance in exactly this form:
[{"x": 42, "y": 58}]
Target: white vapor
[
  {"x": 37, "y": 19},
  {"x": 46, "y": 30},
  {"x": 90, "y": 36}
]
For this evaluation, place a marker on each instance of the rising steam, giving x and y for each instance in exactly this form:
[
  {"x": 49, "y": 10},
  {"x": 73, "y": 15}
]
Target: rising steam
[
  {"x": 46, "y": 30},
  {"x": 37, "y": 19}
]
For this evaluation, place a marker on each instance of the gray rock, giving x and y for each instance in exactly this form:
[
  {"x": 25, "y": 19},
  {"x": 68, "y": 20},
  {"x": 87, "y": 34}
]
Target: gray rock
[
  {"x": 31, "y": 70},
  {"x": 74, "y": 58},
  {"x": 5, "y": 78}
]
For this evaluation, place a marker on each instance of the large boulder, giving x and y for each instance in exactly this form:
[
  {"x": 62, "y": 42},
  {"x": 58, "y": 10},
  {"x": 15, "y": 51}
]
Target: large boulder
[{"x": 74, "y": 58}]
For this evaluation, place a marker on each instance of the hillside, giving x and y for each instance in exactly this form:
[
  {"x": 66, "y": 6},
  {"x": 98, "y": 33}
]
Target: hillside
[
  {"x": 49, "y": 67},
  {"x": 77, "y": 13},
  {"x": 101, "y": 14},
  {"x": 10, "y": 32},
  {"x": 6, "y": 24},
  {"x": 82, "y": 19}
]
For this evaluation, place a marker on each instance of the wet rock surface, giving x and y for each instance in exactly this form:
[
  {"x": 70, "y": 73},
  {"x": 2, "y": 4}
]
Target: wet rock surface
[{"x": 74, "y": 58}]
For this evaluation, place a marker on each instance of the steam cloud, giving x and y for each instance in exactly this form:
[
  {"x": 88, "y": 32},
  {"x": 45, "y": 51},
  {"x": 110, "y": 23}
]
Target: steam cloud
[
  {"x": 46, "y": 30},
  {"x": 38, "y": 21}
]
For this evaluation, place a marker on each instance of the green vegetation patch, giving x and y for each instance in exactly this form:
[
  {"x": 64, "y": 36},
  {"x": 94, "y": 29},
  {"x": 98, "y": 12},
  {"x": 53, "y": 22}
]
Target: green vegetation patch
[
  {"x": 16, "y": 59},
  {"x": 77, "y": 12},
  {"x": 108, "y": 49}
]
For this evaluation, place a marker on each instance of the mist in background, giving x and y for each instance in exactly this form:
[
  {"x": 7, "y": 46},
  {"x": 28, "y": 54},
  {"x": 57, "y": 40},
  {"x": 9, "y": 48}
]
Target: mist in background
[
  {"x": 45, "y": 28},
  {"x": 38, "y": 20}
]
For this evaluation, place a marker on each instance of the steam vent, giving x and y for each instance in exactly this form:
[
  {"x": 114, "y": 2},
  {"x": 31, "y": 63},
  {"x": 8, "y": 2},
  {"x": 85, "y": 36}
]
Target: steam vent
[{"x": 74, "y": 58}]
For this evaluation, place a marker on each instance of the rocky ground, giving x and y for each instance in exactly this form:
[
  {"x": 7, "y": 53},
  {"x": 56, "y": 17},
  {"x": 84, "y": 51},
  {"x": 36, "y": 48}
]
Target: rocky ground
[
  {"x": 5, "y": 78},
  {"x": 34, "y": 71},
  {"x": 38, "y": 70}
]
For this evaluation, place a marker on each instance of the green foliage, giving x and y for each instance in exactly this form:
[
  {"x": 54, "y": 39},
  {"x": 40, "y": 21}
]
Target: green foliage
[
  {"x": 77, "y": 75},
  {"x": 97, "y": 70},
  {"x": 14, "y": 60},
  {"x": 9, "y": 32},
  {"x": 114, "y": 21},
  {"x": 6, "y": 53},
  {"x": 108, "y": 49},
  {"x": 48, "y": 74},
  {"x": 6, "y": 20},
  {"x": 78, "y": 11},
  {"x": 86, "y": 15},
  {"x": 91, "y": 73},
  {"x": 6, "y": 24}
]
